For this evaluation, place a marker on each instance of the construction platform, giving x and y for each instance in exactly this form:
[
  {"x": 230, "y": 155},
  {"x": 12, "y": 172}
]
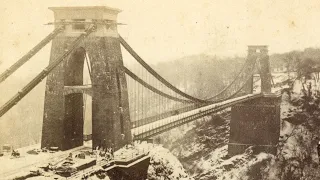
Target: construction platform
[{"x": 82, "y": 162}]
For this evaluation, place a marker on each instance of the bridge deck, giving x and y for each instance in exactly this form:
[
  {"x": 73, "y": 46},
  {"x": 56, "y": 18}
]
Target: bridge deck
[{"x": 166, "y": 124}]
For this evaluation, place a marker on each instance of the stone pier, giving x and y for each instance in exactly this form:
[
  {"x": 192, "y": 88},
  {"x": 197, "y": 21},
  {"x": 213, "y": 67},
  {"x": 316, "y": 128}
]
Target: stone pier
[
  {"x": 63, "y": 112},
  {"x": 255, "y": 123}
]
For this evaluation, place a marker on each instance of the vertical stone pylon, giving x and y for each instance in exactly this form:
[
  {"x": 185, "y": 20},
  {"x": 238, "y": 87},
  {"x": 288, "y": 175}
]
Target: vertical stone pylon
[
  {"x": 260, "y": 55},
  {"x": 256, "y": 122},
  {"x": 63, "y": 114}
]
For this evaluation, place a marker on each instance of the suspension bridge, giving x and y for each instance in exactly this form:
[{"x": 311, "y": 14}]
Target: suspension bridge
[{"x": 135, "y": 103}]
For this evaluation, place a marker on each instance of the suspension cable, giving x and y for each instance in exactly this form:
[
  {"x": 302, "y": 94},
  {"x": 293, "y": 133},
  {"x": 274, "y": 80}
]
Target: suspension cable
[
  {"x": 242, "y": 86},
  {"x": 233, "y": 81},
  {"x": 151, "y": 88},
  {"x": 34, "y": 82},
  {"x": 251, "y": 74},
  {"x": 30, "y": 54},
  {"x": 155, "y": 74}
]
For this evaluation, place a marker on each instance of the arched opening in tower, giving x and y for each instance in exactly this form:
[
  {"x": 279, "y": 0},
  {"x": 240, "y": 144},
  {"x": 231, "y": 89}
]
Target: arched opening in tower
[
  {"x": 74, "y": 111},
  {"x": 87, "y": 100}
]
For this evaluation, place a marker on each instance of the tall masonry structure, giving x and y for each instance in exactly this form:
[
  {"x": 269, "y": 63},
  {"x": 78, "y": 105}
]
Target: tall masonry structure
[
  {"x": 256, "y": 122},
  {"x": 259, "y": 56},
  {"x": 63, "y": 112},
  {"x": 260, "y": 53}
]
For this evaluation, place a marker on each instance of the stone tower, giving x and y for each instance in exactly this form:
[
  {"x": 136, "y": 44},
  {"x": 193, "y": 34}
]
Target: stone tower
[
  {"x": 261, "y": 54},
  {"x": 256, "y": 122},
  {"x": 63, "y": 112}
]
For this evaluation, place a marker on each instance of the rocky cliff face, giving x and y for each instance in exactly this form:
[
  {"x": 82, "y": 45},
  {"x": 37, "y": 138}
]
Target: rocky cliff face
[
  {"x": 203, "y": 152},
  {"x": 201, "y": 146}
]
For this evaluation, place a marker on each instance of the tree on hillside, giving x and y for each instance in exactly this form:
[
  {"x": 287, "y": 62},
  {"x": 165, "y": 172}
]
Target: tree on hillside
[
  {"x": 312, "y": 53},
  {"x": 306, "y": 67},
  {"x": 291, "y": 60}
]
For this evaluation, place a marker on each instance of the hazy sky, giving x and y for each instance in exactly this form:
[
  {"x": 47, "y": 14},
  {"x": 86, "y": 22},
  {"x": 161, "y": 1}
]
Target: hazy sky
[{"x": 167, "y": 29}]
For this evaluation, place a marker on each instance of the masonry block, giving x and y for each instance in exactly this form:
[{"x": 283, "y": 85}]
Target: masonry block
[
  {"x": 63, "y": 114},
  {"x": 135, "y": 171},
  {"x": 255, "y": 123}
]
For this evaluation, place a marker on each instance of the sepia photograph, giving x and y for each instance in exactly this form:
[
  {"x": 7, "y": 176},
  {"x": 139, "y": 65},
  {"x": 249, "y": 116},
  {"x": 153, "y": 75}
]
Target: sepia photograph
[{"x": 160, "y": 90}]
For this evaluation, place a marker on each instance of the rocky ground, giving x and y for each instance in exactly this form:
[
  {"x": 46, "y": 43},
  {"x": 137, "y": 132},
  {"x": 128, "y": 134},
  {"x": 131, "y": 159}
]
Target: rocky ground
[
  {"x": 203, "y": 152},
  {"x": 201, "y": 147},
  {"x": 198, "y": 150}
]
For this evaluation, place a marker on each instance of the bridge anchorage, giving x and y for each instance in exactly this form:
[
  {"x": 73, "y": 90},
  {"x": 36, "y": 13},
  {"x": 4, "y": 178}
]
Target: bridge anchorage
[{"x": 89, "y": 35}]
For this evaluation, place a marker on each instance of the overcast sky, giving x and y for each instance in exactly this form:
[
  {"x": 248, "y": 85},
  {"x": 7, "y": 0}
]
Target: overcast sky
[{"x": 168, "y": 29}]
